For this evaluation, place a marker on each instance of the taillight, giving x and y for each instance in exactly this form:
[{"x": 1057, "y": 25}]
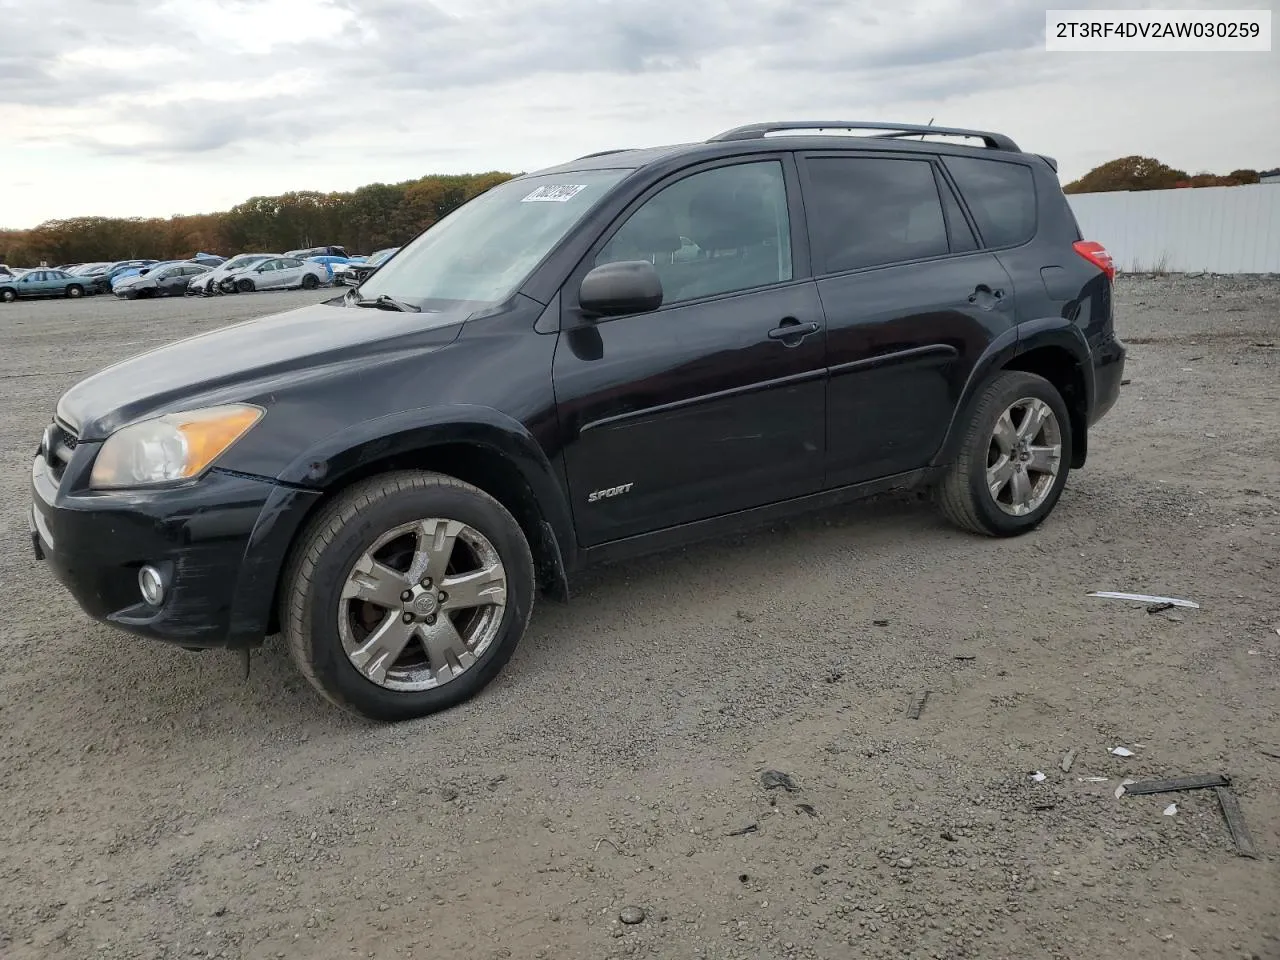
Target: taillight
[{"x": 1096, "y": 254}]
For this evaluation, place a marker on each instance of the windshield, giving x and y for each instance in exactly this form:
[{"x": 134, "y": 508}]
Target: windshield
[{"x": 483, "y": 250}]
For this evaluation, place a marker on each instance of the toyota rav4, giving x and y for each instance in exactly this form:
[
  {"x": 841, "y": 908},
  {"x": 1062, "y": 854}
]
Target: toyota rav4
[{"x": 619, "y": 354}]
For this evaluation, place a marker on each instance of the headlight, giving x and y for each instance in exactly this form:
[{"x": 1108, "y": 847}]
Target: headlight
[{"x": 177, "y": 446}]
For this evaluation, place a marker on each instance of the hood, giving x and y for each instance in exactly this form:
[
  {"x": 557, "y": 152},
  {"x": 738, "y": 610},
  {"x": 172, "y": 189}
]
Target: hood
[{"x": 249, "y": 362}]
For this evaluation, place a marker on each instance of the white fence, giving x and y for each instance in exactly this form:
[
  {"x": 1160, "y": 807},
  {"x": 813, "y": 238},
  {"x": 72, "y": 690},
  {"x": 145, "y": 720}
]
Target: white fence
[{"x": 1193, "y": 230}]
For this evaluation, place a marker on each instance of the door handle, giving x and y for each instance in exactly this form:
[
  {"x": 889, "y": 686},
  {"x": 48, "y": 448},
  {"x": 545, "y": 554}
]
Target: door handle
[{"x": 791, "y": 329}]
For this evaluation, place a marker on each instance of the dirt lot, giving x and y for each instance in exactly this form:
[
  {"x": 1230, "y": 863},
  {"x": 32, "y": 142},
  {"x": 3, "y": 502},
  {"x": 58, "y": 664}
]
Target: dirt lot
[{"x": 156, "y": 804}]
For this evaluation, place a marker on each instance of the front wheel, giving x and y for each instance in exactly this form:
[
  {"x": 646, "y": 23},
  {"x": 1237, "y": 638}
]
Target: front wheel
[
  {"x": 407, "y": 595},
  {"x": 8, "y": 296},
  {"x": 1014, "y": 459},
  {"x": 244, "y": 286}
]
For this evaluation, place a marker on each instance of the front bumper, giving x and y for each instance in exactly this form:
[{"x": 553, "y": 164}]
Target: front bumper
[
  {"x": 1108, "y": 372},
  {"x": 219, "y": 543}
]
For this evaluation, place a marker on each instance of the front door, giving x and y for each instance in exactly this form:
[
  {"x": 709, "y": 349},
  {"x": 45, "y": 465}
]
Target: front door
[
  {"x": 172, "y": 281},
  {"x": 911, "y": 304},
  {"x": 714, "y": 402}
]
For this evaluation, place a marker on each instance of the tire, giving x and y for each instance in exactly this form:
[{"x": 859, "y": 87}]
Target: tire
[
  {"x": 8, "y": 296},
  {"x": 75, "y": 291},
  {"x": 321, "y": 626},
  {"x": 309, "y": 282},
  {"x": 245, "y": 285},
  {"x": 965, "y": 496}
]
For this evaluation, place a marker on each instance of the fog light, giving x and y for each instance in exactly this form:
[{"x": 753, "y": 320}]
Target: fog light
[{"x": 152, "y": 585}]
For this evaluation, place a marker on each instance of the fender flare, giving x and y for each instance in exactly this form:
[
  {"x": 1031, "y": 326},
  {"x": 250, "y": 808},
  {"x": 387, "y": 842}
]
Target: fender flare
[
  {"x": 325, "y": 464},
  {"x": 1009, "y": 345}
]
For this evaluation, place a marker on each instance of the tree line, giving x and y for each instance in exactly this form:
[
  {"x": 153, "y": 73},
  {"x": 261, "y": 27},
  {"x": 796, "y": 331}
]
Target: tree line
[
  {"x": 1147, "y": 173},
  {"x": 363, "y": 220}
]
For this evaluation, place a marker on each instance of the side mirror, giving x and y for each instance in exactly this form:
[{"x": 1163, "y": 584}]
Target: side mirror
[{"x": 615, "y": 289}]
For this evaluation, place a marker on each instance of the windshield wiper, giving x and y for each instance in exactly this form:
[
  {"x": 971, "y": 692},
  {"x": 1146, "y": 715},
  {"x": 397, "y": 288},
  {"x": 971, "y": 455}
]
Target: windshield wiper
[{"x": 385, "y": 302}]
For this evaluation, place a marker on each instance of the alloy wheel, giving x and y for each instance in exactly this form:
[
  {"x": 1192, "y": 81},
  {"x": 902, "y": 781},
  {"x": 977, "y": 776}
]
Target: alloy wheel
[
  {"x": 1024, "y": 456},
  {"x": 422, "y": 604}
]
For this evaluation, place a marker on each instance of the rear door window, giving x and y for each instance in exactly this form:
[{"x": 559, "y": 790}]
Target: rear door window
[
  {"x": 1000, "y": 195},
  {"x": 870, "y": 211}
]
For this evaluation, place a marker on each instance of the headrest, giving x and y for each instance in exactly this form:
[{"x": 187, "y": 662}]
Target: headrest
[
  {"x": 730, "y": 221},
  {"x": 648, "y": 230}
]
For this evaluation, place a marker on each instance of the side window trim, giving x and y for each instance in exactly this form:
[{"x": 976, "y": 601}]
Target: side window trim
[
  {"x": 932, "y": 159},
  {"x": 798, "y": 239},
  {"x": 943, "y": 177}
]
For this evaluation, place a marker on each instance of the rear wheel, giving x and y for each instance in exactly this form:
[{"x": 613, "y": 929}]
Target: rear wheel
[
  {"x": 309, "y": 282},
  {"x": 1014, "y": 460},
  {"x": 75, "y": 290},
  {"x": 407, "y": 595}
]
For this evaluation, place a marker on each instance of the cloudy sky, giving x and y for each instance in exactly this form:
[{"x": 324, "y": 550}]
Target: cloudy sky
[{"x": 129, "y": 108}]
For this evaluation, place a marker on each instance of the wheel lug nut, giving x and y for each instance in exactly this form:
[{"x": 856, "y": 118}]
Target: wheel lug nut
[
  {"x": 426, "y": 582},
  {"x": 406, "y": 596},
  {"x": 431, "y": 620},
  {"x": 407, "y": 618},
  {"x": 443, "y": 596}
]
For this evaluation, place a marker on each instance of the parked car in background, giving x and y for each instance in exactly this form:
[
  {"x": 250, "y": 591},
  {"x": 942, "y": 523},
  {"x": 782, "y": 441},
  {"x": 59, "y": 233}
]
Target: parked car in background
[
  {"x": 355, "y": 273},
  {"x": 329, "y": 263},
  {"x": 333, "y": 250},
  {"x": 133, "y": 272},
  {"x": 43, "y": 283},
  {"x": 6, "y": 271},
  {"x": 163, "y": 280},
  {"x": 120, "y": 268},
  {"x": 278, "y": 273},
  {"x": 338, "y": 267},
  {"x": 209, "y": 284}
]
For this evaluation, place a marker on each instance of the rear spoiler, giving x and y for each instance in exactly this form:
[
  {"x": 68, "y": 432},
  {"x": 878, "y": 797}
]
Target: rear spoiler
[{"x": 1053, "y": 164}]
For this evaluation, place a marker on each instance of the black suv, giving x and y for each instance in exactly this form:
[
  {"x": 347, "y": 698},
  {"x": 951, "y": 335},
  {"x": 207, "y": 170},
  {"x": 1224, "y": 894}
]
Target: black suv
[{"x": 622, "y": 353}]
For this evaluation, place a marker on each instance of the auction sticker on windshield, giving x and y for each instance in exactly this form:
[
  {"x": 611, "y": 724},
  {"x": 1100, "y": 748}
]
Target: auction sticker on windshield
[{"x": 555, "y": 193}]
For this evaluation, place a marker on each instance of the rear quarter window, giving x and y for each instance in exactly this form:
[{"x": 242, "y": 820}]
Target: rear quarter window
[{"x": 1000, "y": 195}]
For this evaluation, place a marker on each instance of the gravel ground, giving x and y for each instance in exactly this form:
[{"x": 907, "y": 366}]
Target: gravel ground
[{"x": 159, "y": 805}]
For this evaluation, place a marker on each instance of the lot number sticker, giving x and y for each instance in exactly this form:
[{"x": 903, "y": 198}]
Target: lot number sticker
[{"x": 556, "y": 193}]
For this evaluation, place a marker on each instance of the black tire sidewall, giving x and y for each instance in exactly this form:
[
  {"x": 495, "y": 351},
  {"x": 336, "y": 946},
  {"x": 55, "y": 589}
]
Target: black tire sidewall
[
  {"x": 332, "y": 667},
  {"x": 1006, "y": 391},
  {"x": 75, "y": 291}
]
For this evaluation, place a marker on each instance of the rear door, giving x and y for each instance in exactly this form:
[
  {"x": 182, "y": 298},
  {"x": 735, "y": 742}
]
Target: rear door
[
  {"x": 911, "y": 304},
  {"x": 709, "y": 404},
  {"x": 290, "y": 273}
]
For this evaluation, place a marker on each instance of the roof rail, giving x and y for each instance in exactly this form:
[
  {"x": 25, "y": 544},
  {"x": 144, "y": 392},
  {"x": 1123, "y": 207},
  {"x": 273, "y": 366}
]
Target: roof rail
[
  {"x": 756, "y": 131},
  {"x": 602, "y": 153}
]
